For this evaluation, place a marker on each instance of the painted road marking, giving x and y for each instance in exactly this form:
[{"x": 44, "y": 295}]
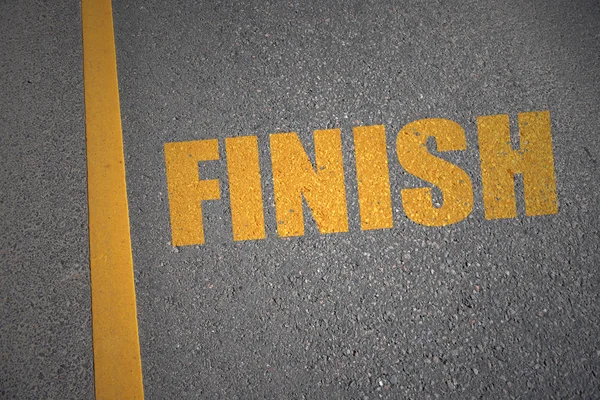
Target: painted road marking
[
  {"x": 117, "y": 363},
  {"x": 245, "y": 190},
  {"x": 322, "y": 186},
  {"x": 187, "y": 191},
  {"x": 534, "y": 160},
  {"x": 373, "y": 177},
  {"x": 453, "y": 182}
]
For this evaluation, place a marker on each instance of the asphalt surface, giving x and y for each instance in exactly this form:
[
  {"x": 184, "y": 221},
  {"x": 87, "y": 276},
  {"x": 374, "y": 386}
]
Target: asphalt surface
[
  {"x": 480, "y": 309},
  {"x": 45, "y": 317}
]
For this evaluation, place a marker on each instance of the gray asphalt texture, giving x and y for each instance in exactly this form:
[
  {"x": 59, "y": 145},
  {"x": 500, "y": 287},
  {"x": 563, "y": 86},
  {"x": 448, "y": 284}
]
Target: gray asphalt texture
[
  {"x": 45, "y": 317},
  {"x": 480, "y": 309}
]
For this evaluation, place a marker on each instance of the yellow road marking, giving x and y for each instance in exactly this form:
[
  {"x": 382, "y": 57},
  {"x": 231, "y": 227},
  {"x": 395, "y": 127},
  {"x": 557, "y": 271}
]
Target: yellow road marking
[
  {"x": 373, "y": 177},
  {"x": 245, "y": 190},
  {"x": 187, "y": 191},
  {"x": 500, "y": 163},
  {"x": 454, "y": 183},
  {"x": 117, "y": 363},
  {"x": 294, "y": 178}
]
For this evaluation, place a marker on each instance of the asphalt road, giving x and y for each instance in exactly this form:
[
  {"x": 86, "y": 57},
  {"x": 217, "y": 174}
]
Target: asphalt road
[
  {"x": 45, "y": 316},
  {"x": 479, "y": 309}
]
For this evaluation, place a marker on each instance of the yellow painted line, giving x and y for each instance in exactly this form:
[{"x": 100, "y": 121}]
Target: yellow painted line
[{"x": 117, "y": 363}]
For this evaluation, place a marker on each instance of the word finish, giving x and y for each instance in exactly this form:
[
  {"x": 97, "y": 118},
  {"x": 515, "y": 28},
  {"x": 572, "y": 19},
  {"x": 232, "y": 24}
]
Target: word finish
[{"x": 322, "y": 186}]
